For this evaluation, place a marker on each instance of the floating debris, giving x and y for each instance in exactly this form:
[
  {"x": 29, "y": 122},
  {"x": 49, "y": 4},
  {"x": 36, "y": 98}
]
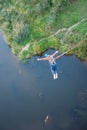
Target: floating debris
[{"x": 48, "y": 119}]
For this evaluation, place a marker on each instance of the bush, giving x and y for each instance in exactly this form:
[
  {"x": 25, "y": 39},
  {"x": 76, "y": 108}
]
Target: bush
[{"x": 20, "y": 31}]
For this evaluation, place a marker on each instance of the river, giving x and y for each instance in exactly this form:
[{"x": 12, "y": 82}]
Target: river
[{"x": 31, "y": 100}]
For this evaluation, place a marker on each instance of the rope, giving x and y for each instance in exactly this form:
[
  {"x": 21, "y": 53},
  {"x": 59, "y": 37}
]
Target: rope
[{"x": 80, "y": 43}]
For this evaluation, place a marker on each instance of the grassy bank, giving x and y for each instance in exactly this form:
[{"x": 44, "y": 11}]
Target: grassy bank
[{"x": 31, "y": 27}]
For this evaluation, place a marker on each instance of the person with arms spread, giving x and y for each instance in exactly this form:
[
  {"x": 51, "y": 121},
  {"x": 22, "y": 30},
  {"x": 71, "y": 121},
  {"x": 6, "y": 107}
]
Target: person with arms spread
[{"x": 52, "y": 62}]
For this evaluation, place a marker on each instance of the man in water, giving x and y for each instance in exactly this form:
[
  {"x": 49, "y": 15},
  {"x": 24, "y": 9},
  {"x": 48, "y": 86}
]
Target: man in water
[{"x": 52, "y": 62}]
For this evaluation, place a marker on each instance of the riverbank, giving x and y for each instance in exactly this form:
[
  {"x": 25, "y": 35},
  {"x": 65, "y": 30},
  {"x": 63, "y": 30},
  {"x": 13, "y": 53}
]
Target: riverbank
[{"x": 32, "y": 28}]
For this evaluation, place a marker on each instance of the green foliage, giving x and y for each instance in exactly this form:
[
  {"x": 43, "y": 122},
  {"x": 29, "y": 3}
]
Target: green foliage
[
  {"x": 79, "y": 33},
  {"x": 81, "y": 52},
  {"x": 21, "y": 31},
  {"x": 63, "y": 48},
  {"x": 34, "y": 21}
]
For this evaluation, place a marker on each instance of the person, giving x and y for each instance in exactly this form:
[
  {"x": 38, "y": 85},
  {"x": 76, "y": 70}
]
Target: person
[{"x": 52, "y": 62}]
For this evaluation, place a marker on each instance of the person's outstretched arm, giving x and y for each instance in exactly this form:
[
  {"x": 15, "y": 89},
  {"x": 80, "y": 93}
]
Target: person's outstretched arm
[
  {"x": 54, "y": 53},
  {"x": 42, "y": 59},
  {"x": 60, "y": 56},
  {"x": 47, "y": 58}
]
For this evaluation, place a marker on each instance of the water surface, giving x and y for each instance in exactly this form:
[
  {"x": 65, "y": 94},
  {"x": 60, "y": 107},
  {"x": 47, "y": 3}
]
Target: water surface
[{"x": 28, "y": 93}]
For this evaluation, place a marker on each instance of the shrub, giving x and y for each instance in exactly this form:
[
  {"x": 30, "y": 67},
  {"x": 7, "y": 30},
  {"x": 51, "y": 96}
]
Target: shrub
[{"x": 20, "y": 31}]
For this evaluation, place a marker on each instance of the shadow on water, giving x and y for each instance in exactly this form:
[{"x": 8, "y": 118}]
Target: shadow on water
[{"x": 31, "y": 100}]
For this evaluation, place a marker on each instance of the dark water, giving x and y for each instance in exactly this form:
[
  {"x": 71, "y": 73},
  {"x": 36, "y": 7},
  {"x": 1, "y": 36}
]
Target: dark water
[{"x": 28, "y": 93}]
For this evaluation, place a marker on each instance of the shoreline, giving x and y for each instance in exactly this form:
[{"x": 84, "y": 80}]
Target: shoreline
[
  {"x": 41, "y": 52},
  {"x": 24, "y": 60}
]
